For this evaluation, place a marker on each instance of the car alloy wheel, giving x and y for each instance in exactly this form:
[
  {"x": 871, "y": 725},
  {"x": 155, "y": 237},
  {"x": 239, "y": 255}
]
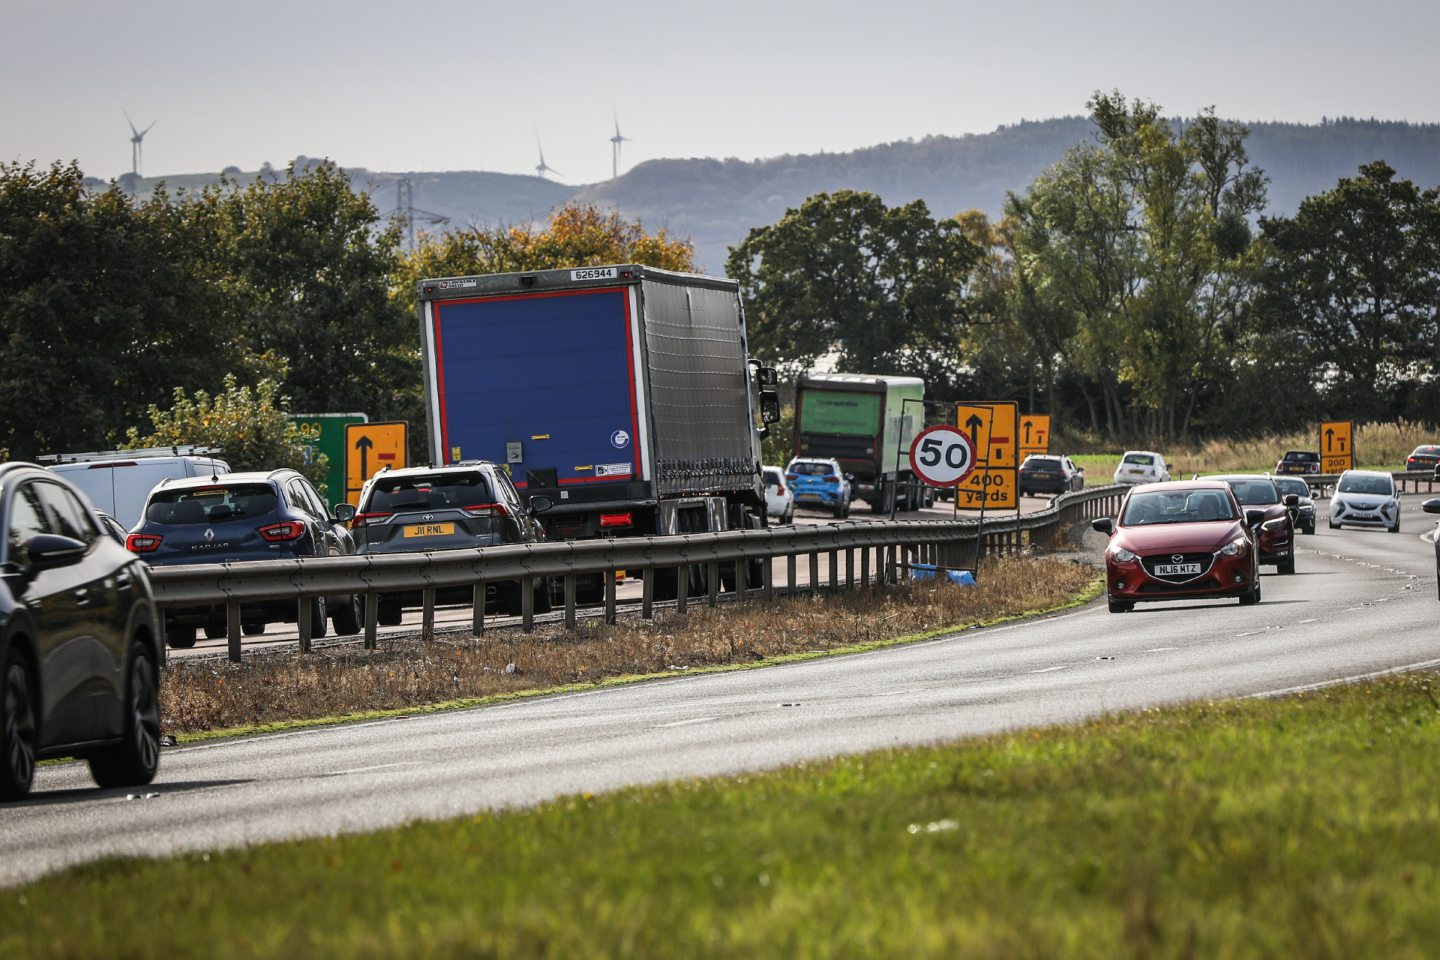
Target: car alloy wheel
[
  {"x": 18, "y": 735},
  {"x": 136, "y": 758}
]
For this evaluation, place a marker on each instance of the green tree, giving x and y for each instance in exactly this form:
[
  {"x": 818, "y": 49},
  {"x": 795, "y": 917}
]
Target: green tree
[
  {"x": 1354, "y": 280},
  {"x": 100, "y": 314},
  {"x": 306, "y": 265},
  {"x": 1130, "y": 262},
  {"x": 882, "y": 287},
  {"x": 250, "y": 427}
]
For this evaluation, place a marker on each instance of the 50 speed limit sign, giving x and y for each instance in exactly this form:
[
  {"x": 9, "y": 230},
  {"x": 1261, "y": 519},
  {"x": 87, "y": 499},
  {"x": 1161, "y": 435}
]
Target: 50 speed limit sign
[{"x": 942, "y": 456}]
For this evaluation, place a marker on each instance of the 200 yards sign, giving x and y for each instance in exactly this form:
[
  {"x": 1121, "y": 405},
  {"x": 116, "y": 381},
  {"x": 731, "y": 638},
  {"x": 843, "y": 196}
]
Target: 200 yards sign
[{"x": 942, "y": 456}]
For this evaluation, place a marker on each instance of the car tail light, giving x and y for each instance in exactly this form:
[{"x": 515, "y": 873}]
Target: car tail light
[
  {"x": 792, "y": 477},
  {"x": 487, "y": 510},
  {"x": 278, "y": 532},
  {"x": 616, "y": 520},
  {"x": 142, "y": 542},
  {"x": 780, "y": 487},
  {"x": 368, "y": 519}
]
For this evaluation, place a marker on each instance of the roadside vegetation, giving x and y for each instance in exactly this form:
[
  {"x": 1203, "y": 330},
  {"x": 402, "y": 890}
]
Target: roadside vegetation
[
  {"x": 1378, "y": 446},
  {"x": 344, "y": 682},
  {"x": 1304, "y": 826},
  {"x": 1132, "y": 289}
]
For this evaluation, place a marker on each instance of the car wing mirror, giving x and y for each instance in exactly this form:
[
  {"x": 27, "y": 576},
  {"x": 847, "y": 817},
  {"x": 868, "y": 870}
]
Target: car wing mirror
[
  {"x": 50, "y": 550},
  {"x": 1431, "y": 506},
  {"x": 1253, "y": 517},
  {"x": 1292, "y": 499},
  {"x": 344, "y": 512},
  {"x": 1103, "y": 525},
  {"x": 539, "y": 504}
]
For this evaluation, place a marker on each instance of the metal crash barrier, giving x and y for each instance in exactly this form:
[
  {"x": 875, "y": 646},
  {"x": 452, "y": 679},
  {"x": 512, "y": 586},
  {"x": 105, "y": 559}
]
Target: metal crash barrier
[{"x": 859, "y": 554}]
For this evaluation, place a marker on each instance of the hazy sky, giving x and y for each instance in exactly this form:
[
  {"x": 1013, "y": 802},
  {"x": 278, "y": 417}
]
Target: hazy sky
[{"x": 451, "y": 85}]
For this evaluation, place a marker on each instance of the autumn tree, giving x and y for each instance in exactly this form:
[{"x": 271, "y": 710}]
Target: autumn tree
[{"x": 576, "y": 235}]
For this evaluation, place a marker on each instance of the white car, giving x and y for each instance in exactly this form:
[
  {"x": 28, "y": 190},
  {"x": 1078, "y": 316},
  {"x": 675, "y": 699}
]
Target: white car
[
  {"x": 1365, "y": 498},
  {"x": 1142, "y": 466},
  {"x": 779, "y": 498}
]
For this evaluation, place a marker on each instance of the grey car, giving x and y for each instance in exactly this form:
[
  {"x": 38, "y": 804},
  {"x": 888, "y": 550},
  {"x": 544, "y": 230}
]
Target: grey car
[{"x": 455, "y": 507}]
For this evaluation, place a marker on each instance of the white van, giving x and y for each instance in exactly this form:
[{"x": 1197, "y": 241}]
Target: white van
[{"x": 118, "y": 481}]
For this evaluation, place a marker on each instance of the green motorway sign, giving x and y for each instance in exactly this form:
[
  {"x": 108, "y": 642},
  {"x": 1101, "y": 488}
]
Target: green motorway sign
[{"x": 324, "y": 433}]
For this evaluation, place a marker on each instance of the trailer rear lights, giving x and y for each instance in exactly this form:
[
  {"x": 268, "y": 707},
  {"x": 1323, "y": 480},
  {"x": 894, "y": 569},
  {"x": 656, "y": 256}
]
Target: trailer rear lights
[
  {"x": 142, "y": 542},
  {"x": 280, "y": 532},
  {"x": 613, "y": 520},
  {"x": 487, "y": 510}
]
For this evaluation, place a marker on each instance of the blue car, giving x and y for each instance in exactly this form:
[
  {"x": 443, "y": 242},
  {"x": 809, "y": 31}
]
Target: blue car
[
  {"x": 819, "y": 483},
  {"x": 235, "y": 517}
]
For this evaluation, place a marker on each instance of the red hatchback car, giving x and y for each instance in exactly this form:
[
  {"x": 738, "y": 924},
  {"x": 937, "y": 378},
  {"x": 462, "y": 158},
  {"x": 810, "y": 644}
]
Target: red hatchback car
[
  {"x": 1276, "y": 533},
  {"x": 1187, "y": 540}
]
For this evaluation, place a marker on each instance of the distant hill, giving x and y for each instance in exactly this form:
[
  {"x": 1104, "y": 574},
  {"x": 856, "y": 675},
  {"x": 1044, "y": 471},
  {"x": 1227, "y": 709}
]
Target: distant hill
[{"x": 716, "y": 202}]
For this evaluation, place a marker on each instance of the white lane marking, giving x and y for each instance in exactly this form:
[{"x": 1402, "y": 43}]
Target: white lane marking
[
  {"x": 898, "y": 693},
  {"x": 1357, "y": 678},
  {"x": 685, "y": 723},
  {"x": 378, "y": 766},
  {"x": 1066, "y": 666},
  {"x": 1160, "y": 649},
  {"x": 1311, "y": 620}
]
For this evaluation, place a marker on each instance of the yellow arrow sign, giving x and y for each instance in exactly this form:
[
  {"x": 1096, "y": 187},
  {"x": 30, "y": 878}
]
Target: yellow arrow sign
[
  {"x": 1337, "y": 449},
  {"x": 1034, "y": 433},
  {"x": 993, "y": 429},
  {"x": 370, "y": 448}
]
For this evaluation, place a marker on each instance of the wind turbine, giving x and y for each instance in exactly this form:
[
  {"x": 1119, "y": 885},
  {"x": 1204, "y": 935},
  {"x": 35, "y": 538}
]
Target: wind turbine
[
  {"x": 136, "y": 138},
  {"x": 542, "y": 166},
  {"x": 615, "y": 142}
]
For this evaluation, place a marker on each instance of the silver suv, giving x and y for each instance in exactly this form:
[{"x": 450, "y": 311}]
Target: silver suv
[{"x": 461, "y": 506}]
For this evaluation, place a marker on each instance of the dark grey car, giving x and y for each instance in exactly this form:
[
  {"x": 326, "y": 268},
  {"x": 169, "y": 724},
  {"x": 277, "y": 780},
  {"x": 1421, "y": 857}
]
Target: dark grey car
[
  {"x": 79, "y": 656},
  {"x": 456, "y": 507}
]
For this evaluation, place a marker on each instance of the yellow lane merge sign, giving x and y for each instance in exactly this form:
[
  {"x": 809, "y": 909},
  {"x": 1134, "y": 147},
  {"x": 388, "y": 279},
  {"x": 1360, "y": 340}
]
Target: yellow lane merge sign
[
  {"x": 1337, "y": 448},
  {"x": 993, "y": 430},
  {"x": 1034, "y": 433},
  {"x": 369, "y": 448}
]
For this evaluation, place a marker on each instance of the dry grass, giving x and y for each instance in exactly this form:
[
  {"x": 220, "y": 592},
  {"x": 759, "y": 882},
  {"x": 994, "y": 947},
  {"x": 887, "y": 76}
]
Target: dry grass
[
  {"x": 275, "y": 688},
  {"x": 1380, "y": 446}
]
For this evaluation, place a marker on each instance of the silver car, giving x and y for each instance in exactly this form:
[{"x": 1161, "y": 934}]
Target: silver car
[
  {"x": 1365, "y": 498},
  {"x": 1142, "y": 466}
]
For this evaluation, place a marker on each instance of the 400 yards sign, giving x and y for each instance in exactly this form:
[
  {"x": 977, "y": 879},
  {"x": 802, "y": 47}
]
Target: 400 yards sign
[{"x": 942, "y": 456}]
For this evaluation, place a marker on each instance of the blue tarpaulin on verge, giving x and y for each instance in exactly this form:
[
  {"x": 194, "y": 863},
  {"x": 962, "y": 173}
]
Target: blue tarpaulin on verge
[{"x": 926, "y": 571}]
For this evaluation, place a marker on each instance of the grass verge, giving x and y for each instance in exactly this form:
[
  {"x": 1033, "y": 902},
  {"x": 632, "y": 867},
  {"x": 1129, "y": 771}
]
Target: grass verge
[
  {"x": 1378, "y": 446},
  {"x": 1307, "y": 826},
  {"x": 274, "y": 691}
]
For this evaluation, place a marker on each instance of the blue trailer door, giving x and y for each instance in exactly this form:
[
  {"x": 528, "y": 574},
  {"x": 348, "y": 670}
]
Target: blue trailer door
[{"x": 552, "y": 372}]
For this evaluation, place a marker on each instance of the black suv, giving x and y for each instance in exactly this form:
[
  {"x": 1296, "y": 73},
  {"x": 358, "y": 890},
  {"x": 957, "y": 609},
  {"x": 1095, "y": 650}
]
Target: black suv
[
  {"x": 461, "y": 506},
  {"x": 236, "y": 517},
  {"x": 79, "y": 658}
]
